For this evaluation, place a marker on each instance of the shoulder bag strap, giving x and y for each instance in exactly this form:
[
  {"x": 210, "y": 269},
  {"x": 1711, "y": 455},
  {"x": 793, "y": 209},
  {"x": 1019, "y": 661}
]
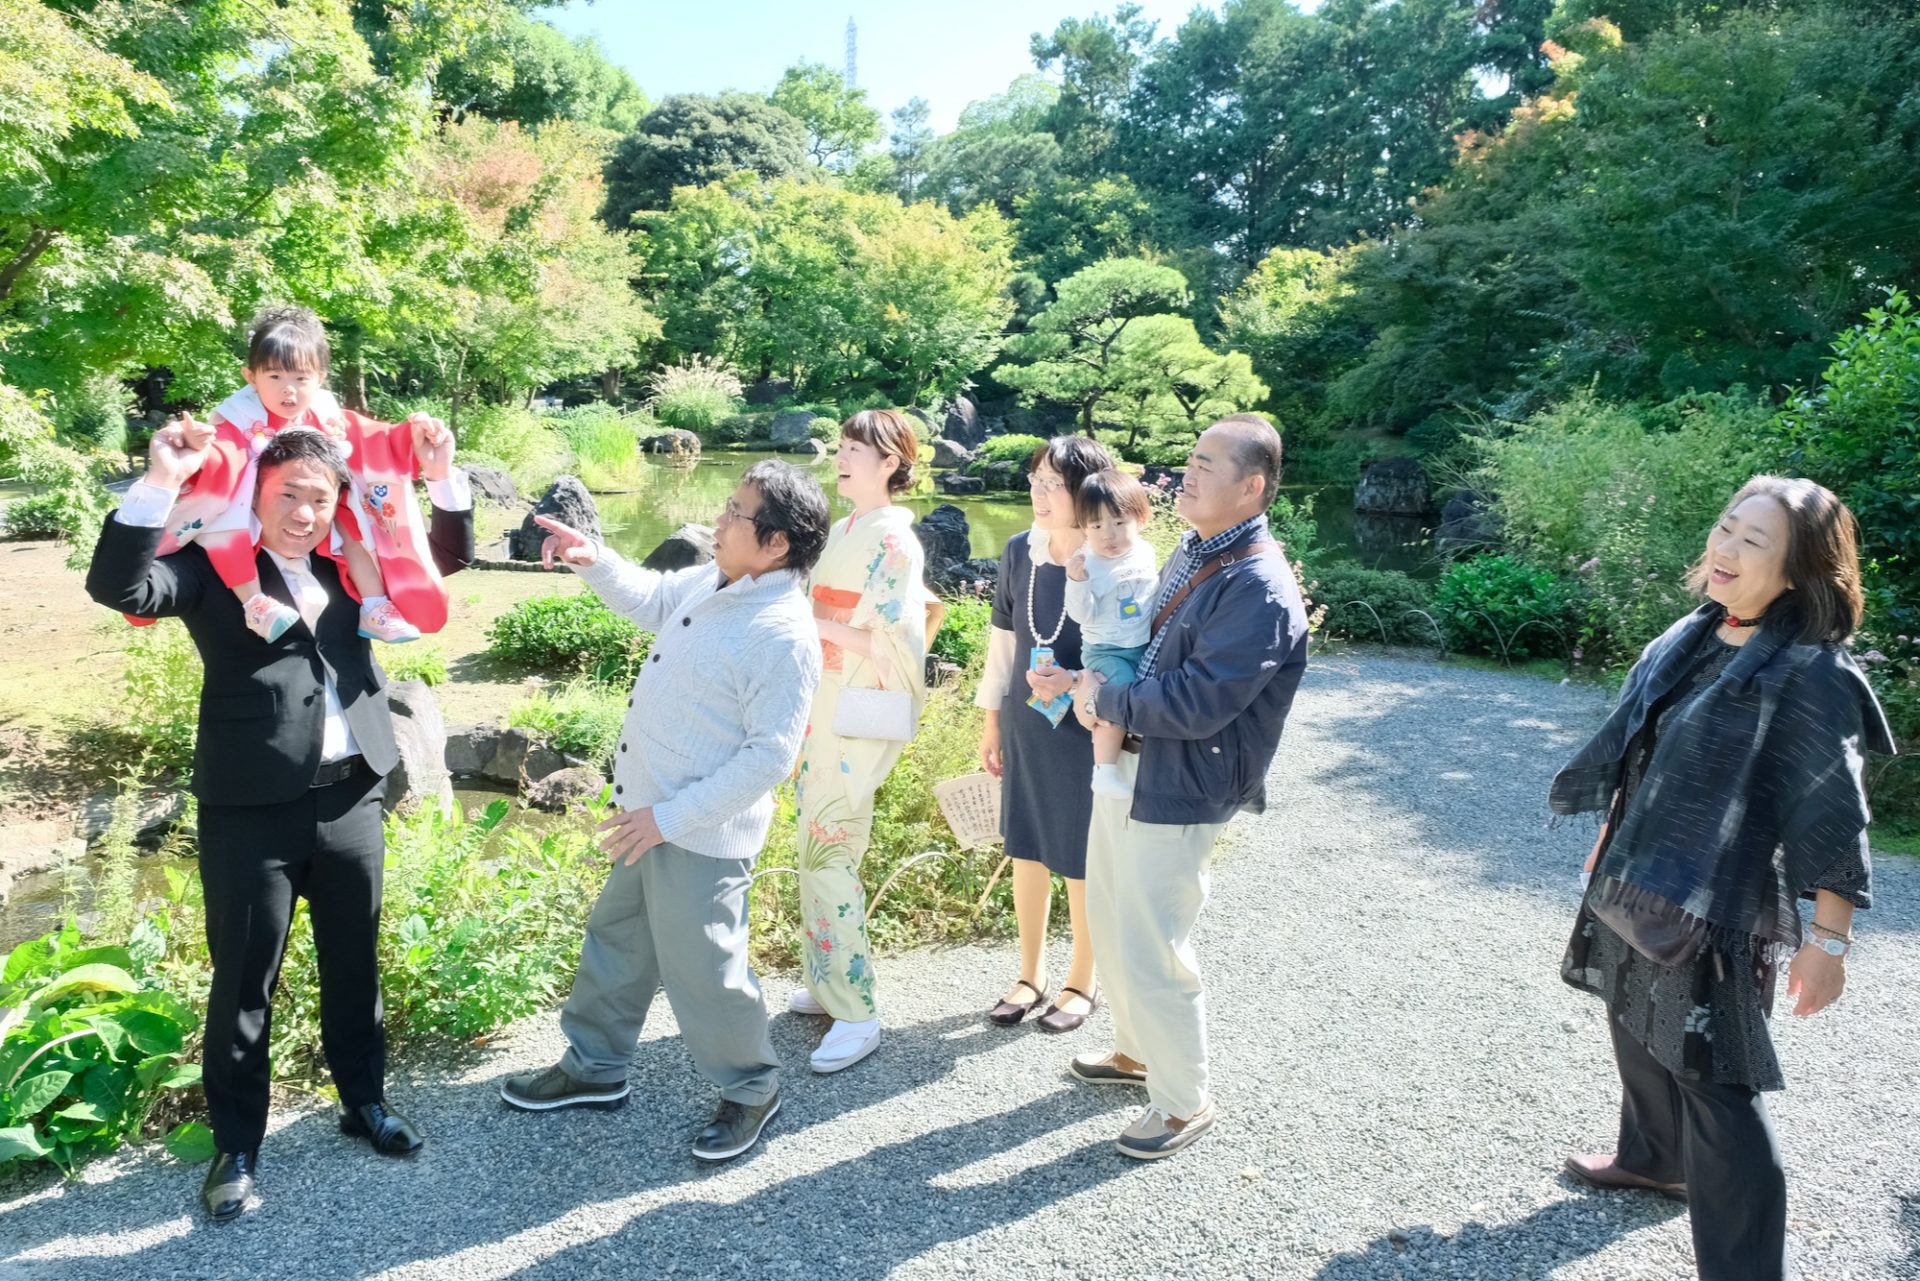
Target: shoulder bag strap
[{"x": 1215, "y": 563}]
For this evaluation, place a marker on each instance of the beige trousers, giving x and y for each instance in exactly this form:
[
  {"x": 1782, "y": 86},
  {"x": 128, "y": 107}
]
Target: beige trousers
[{"x": 1146, "y": 884}]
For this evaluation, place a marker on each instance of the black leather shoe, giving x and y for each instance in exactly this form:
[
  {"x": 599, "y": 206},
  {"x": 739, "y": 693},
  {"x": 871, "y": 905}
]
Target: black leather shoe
[
  {"x": 390, "y": 1133},
  {"x": 229, "y": 1184}
]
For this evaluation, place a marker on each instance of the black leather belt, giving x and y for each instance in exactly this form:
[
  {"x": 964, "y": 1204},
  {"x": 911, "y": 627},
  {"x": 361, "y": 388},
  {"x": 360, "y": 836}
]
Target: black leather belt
[
  {"x": 337, "y": 771},
  {"x": 1131, "y": 743}
]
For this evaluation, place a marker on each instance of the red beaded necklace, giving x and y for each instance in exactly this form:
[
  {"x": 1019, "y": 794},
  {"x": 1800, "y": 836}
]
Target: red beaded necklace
[{"x": 1733, "y": 620}]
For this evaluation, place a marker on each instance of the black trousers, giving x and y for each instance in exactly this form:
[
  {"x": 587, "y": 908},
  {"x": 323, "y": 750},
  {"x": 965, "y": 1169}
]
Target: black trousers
[
  {"x": 255, "y": 860},
  {"x": 1718, "y": 1140}
]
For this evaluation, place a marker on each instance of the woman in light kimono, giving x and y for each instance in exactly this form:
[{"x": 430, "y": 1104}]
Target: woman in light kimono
[{"x": 871, "y": 607}]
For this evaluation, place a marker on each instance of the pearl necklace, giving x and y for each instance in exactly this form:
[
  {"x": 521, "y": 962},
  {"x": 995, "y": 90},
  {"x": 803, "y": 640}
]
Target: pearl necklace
[{"x": 1033, "y": 572}]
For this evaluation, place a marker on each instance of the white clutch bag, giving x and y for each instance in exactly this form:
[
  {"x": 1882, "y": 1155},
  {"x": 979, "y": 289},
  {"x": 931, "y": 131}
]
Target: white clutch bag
[{"x": 874, "y": 713}]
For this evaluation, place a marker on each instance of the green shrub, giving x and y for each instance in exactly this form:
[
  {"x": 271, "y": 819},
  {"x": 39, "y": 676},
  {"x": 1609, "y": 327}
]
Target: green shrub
[
  {"x": 823, "y": 429},
  {"x": 1007, "y": 449},
  {"x": 70, "y": 503},
  {"x": 1624, "y": 495},
  {"x": 694, "y": 396},
  {"x": 1506, "y": 608},
  {"x": 423, "y": 663},
  {"x": 1858, "y": 433},
  {"x": 94, "y": 418},
  {"x": 575, "y": 633},
  {"x": 94, "y": 1042},
  {"x": 1382, "y": 605},
  {"x": 962, "y": 637},
  {"x": 739, "y": 428},
  {"x": 605, "y": 444},
  {"x": 529, "y": 446},
  {"x": 162, "y": 709},
  {"x": 583, "y": 718}
]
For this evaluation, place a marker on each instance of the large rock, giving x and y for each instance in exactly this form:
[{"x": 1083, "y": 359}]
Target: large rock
[
  {"x": 684, "y": 548},
  {"x": 1002, "y": 474},
  {"x": 491, "y": 485},
  {"x": 674, "y": 441},
  {"x": 153, "y": 817},
  {"x": 1393, "y": 487},
  {"x": 566, "y": 501},
  {"x": 966, "y": 578},
  {"x": 1468, "y": 523},
  {"x": 927, "y": 428},
  {"x": 421, "y": 777},
  {"x": 950, "y": 453},
  {"x": 574, "y": 787},
  {"x": 470, "y": 748},
  {"x": 944, "y": 533},
  {"x": 769, "y": 390},
  {"x": 510, "y": 748},
  {"x": 790, "y": 427},
  {"x": 963, "y": 422},
  {"x": 809, "y": 449},
  {"x": 952, "y": 482}
]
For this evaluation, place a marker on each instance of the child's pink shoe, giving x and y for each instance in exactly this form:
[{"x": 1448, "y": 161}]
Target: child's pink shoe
[
  {"x": 268, "y": 618},
  {"x": 382, "y": 620}
]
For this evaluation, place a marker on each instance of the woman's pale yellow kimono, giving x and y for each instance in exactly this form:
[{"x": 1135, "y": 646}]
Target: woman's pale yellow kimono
[{"x": 869, "y": 577}]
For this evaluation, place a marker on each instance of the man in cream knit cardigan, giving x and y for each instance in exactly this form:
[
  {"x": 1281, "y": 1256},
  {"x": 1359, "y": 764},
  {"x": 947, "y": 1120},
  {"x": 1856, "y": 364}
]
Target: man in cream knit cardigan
[{"x": 714, "y": 724}]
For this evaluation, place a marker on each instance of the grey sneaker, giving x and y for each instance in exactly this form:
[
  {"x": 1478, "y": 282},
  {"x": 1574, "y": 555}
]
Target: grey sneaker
[
  {"x": 554, "y": 1088},
  {"x": 1101, "y": 1069},
  {"x": 1156, "y": 1134},
  {"x": 735, "y": 1128}
]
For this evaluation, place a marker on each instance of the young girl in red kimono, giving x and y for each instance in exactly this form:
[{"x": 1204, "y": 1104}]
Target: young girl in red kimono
[{"x": 378, "y": 532}]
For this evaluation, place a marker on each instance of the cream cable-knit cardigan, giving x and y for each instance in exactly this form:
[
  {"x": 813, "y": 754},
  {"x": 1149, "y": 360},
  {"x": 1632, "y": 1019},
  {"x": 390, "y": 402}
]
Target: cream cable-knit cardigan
[{"x": 721, "y": 703}]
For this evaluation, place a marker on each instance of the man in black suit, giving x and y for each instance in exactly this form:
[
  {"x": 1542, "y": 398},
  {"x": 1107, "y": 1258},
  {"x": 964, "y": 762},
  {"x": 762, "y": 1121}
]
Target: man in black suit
[{"x": 295, "y": 738}]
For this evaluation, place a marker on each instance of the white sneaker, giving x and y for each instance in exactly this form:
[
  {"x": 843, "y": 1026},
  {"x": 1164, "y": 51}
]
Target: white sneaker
[
  {"x": 845, "y": 1044},
  {"x": 1108, "y": 782},
  {"x": 801, "y": 1001}
]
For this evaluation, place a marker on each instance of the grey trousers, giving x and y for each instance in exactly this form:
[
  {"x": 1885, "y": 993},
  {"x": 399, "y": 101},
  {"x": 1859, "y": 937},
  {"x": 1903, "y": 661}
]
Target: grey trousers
[{"x": 677, "y": 920}]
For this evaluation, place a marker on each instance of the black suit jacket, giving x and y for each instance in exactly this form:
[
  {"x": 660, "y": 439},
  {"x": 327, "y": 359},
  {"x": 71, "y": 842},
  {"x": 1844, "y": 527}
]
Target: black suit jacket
[{"x": 263, "y": 706}]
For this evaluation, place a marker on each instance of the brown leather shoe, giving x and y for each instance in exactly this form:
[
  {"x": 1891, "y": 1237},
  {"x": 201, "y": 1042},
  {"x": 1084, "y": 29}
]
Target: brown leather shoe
[{"x": 1599, "y": 1170}]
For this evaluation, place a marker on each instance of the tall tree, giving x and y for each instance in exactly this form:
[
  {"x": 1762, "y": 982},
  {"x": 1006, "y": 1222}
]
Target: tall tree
[
  {"x": 526, "y": 71},
  {"x": 1073, "y": 349},
  {"x": 840, "y": 124},
  {"x": 909, "y": 142},
  {"x": 690, "y": 140}
]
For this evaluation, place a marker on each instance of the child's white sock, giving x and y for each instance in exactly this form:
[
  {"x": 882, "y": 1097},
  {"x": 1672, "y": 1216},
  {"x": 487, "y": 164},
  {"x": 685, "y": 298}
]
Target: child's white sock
[
  {"x": 372, "y": 602},
  {"x": 1107, "y": 781}
]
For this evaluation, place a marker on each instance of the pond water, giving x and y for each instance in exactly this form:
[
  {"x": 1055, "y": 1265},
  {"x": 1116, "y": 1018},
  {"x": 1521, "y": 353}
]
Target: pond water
[{"x": 636, "y": 522}]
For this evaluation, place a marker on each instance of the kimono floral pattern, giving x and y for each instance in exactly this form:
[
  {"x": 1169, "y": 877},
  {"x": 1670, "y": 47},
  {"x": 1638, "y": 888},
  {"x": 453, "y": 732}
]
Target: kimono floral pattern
[{"x": 868, "y": 578}]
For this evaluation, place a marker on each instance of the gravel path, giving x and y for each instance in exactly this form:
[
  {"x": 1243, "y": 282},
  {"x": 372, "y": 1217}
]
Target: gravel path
[{"x": 1398, "y": 1067}]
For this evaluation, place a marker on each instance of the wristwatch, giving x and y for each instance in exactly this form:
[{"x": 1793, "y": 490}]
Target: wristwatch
[
  {"x": 1091, "y": 699},
  {"x": 1832, "y": 947}
]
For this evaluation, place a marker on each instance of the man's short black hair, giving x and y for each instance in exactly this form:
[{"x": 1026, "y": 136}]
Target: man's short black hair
[
  {"x": 1256, "y": 450},
  {"x": 302, "y": 444},
  {"x": 791, "y": 503}
]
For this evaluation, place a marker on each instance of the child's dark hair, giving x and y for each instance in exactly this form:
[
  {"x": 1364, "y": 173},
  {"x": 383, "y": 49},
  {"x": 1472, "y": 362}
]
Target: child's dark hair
[
  {"x": 1111, "y": 493},
  {"x": 290, "y": 339}
]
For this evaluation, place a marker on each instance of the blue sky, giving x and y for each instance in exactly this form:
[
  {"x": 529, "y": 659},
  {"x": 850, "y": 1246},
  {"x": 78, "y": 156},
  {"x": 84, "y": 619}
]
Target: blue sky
[{"x": 950, "y": 53}]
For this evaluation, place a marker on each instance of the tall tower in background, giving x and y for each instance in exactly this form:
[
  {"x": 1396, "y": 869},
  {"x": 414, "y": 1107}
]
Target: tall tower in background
[{"x": 853, "y": 35}]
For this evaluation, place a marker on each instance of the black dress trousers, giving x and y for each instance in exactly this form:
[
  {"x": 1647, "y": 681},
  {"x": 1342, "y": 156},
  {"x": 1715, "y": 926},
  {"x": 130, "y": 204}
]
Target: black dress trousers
[
  {"x": 328, "y": 846},
  {"x": 1719, "y": 1141}
]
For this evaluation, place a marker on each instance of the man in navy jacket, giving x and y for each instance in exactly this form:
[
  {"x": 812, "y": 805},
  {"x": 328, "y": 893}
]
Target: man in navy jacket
[{"x": 1212, "y": 692}]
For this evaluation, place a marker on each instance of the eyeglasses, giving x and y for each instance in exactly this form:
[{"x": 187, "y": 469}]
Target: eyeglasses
[
  {"x": 731, "y": 512},
  {"x": 1045, "y": 484}
]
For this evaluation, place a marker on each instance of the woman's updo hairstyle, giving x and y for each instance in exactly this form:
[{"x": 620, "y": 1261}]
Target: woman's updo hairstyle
[{"x": 890, "y": 432}]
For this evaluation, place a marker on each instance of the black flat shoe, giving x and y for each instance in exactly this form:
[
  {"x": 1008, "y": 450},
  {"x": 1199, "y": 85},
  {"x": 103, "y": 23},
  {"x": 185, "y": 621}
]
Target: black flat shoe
[
  {"x": 229, "y": 1184},
  {"x": 1059, "y": 1020},
  {"x": 1008, "y": 1013},
  {"x": 390, "y": 1133}
]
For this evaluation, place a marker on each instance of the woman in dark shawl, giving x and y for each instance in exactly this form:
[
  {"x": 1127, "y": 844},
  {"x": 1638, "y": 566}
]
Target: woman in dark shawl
[{"x": 1731, "y": 780}]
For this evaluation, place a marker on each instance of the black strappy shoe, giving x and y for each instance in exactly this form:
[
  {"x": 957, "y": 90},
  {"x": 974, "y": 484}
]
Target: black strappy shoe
[
  {"x": 1059, "y": 1020},
  {"x": 1009, "y": 1013}
]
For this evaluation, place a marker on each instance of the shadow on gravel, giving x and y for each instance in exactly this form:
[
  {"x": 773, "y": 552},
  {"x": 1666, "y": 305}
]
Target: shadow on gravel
[
  {"x": 1464, "y": 759},
  {"x": 330, "y": 1208},
  {"x": 1551, "y": 1236},
  {"x": 865, "y": 1218}
]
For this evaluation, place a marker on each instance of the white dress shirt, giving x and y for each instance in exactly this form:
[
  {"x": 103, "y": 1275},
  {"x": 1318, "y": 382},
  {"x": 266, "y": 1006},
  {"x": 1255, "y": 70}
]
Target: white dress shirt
[{"x": 146, "y": 506}]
